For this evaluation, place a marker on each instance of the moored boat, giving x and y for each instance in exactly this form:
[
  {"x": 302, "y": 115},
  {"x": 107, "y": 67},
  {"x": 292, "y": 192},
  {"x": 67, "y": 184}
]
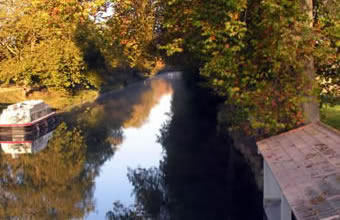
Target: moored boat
[{"x": 26, "y": 117}]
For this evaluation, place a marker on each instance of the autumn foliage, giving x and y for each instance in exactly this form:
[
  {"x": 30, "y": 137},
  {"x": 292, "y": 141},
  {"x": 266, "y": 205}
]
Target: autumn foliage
[
  {"x": 260, "y": 55},
  {"x": 70, "y": 44}
]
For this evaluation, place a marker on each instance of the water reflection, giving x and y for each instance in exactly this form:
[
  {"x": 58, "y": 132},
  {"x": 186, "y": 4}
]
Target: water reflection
[
  {"x": 16, "y": 144},
  {"x": 200, "y": 175},
  {"x": 26, "y": 146},
  {"x": 71, "y": 171},
  {"x": 149, "y": 99},
  {"x": 139, "y": 148},
  {"x": 164, "y": 133},
  {"x": 124, "y": 124},
  {"x": 52, "y": 184},
  {"x": 104, "y": 121}
]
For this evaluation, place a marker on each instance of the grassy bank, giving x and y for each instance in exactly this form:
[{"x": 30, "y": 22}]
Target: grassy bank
[
  {"x": 62, "y": 101},
  {"x": 56, "y": 99},
  {"x": 331, "y": 115}
]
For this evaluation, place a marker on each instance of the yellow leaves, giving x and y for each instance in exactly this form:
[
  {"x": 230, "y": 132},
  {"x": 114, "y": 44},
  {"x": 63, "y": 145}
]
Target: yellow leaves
[
  {"x": 235, "y": 28},
  {"x": 234, "y": 15},
  {"x": 42, "y": 49},
  {"x": 43, "y": 15},
  {"x": 36, "y": 2},
  {"x": 174, "y": 47},
  {"x": 235, "y": 89},
  {"x": 171, "y": 2},
  {"x": 188, "y": 11},
  {"x": 337, "y": 43},
  {"x": 131, "y": 29}
]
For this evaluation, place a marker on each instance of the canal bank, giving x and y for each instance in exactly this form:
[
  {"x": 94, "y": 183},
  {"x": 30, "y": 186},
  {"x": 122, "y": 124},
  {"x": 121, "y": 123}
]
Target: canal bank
[
  {"x": 65, "y": 100},
  {"x": 246, "y": 145}
]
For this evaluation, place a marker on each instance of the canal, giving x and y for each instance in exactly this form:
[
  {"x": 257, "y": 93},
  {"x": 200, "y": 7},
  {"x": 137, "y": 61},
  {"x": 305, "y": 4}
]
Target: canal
[{"x": 149, "y": 151}]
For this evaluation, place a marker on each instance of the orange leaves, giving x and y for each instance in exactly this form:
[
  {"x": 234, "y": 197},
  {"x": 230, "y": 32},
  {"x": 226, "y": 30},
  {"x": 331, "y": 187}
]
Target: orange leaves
[
  {"x": 188, "y": 11},
  {"x": 55, "y": 11},
  {"x": 212, "y": 38},
  {"x": 124, "y": 41}
]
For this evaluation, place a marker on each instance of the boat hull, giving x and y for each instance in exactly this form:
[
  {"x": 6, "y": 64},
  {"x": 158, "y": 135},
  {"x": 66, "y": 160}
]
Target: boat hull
[{"x": 14, "y": 131}]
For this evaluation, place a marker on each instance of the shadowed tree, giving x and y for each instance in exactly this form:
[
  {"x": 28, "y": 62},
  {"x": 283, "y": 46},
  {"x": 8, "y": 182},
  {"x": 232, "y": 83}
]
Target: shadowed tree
[{"x": 260, "y": 55}]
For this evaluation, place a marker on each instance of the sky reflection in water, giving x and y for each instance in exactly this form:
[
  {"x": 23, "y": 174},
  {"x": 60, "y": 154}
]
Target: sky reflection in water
[{"x": 139, "y": 149}]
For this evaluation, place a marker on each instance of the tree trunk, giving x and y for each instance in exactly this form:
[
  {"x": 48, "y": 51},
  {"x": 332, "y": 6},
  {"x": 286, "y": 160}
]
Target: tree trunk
[{"x": 310, "y": 105}]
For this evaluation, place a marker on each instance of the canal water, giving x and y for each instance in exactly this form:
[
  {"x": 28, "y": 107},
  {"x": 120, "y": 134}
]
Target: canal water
[{"x": 149, "y": 151}]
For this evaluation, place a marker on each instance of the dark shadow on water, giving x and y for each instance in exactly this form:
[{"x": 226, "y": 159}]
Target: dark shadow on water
[{"x": 200, "y": 177}]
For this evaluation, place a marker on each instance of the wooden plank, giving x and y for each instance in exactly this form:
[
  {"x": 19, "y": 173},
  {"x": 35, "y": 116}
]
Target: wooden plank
[
  {"x": 297, "y": 155},
  {"x": 325, "y": 166},
  {"x": 290, "y": 186},
  {"x": 312, "y": 158},
  {"x": 321, "y": 133},
  {"x": 310, "y": 192},
  {"x": 274, "y": 157},
  {"x": 306, "y": 164},
  {"x": 327, "y": 131},
  {"x": 326, "y": 146}
]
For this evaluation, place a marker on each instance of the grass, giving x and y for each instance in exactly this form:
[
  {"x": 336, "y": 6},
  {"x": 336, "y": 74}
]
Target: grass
[
  {"x": 331, "y": 115},
  {"x": 55, "y": 99},
  {"x": 62, "y": 101},
  {"x": 116, "y": 79}
]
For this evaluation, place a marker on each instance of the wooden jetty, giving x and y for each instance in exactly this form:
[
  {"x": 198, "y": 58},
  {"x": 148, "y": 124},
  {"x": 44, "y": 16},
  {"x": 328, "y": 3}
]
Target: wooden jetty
[{"x": 302, "y": 174}]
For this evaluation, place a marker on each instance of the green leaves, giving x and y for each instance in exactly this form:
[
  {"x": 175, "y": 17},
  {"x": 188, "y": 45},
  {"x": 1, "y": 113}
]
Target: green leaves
[
  {"x": 254, "y": 53},
  {"x": 174, "y": 47},
  {"x": 38, "y": 46}
]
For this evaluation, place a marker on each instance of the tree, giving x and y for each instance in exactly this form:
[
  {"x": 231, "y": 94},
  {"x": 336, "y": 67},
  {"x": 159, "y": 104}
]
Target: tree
[
  {"x": 326, "y": 22},
  {"x": 38, "y": 45},
  {"x": 132, "y": 31},
  {"x": 258, "y": 54}
]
